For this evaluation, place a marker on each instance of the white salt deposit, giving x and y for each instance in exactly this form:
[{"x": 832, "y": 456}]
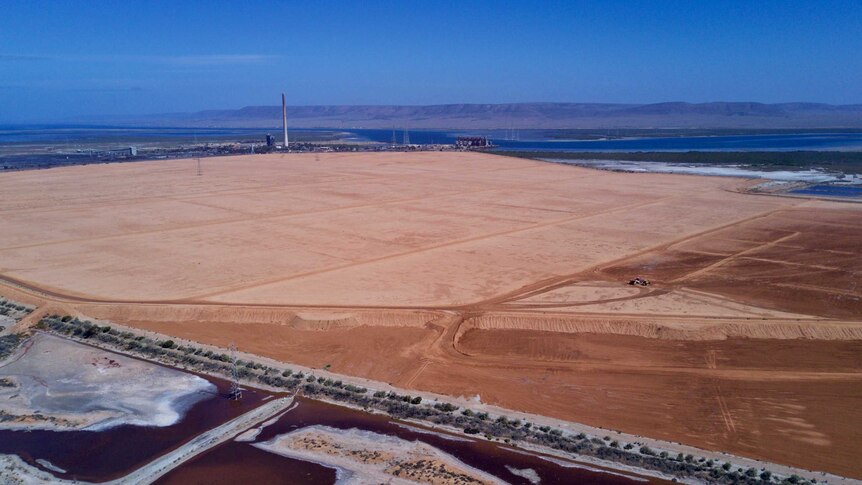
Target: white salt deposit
[{"x": 812, "y": 175}]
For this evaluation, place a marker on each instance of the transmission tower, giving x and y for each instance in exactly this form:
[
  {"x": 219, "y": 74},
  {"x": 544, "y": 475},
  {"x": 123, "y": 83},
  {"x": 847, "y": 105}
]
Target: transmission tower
[
  {"x": 406, "y": 136},
  {"x": 200, "y": 171},
  {"x": 235, "y": 390}
]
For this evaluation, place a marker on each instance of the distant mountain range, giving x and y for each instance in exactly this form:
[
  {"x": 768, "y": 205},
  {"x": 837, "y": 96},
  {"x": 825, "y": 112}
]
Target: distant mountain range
[{"x": 526, "y": 115}]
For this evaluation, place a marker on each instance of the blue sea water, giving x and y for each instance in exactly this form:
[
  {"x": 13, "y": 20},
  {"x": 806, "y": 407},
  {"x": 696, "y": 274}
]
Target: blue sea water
[
  {"x": 780, "y": 142},
  {"x": 830, "y": 191},
  {"x": 775, "y": 142}
]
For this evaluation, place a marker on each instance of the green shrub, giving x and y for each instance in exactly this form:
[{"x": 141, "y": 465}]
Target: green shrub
[{"x": 445, "y": 407}]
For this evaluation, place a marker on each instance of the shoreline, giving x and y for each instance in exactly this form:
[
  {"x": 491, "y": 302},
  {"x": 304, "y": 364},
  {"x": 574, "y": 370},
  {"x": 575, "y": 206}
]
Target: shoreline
[{"x": 45, "y": 396}]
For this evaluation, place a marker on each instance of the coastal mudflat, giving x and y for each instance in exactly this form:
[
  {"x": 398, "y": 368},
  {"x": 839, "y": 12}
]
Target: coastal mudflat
[
  {"x": 79, "y": 413},
  {"x": 366, "y": 457},
  {"x": 55, "y": 384}
]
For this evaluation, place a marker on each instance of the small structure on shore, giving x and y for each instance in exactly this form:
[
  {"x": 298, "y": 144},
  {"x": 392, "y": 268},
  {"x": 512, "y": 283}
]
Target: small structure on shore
[{"x": 472, "y": 142}]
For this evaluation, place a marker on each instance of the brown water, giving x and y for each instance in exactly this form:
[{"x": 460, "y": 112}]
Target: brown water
[
  {"x": 240, "y": 462},
  {"x": 99, "y": 456}
]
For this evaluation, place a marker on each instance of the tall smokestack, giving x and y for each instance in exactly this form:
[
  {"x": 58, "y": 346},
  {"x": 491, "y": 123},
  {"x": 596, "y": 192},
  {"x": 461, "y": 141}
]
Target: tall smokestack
[{"x": 284, "y": 119}]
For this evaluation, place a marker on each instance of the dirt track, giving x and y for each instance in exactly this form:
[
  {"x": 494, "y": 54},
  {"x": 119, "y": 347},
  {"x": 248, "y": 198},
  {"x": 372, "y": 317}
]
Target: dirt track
[{"x": 468, "y": 274}]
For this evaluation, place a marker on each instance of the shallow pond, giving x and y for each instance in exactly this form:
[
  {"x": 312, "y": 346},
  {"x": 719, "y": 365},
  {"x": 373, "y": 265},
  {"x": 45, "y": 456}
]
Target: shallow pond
[{"x": 240, "y": 462}]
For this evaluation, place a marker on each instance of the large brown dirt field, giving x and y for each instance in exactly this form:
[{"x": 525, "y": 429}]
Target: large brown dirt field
[{"x": 472, "y": 274}]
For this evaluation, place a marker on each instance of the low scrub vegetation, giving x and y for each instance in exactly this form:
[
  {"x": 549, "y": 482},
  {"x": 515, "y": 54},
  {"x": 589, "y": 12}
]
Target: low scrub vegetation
[{"x": 13, "y": 309}]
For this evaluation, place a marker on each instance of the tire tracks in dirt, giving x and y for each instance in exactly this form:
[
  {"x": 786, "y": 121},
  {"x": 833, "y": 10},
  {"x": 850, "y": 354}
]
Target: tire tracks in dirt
[
  {"x": 423, "y": 249},
  {"x": 724, "y": 411}
]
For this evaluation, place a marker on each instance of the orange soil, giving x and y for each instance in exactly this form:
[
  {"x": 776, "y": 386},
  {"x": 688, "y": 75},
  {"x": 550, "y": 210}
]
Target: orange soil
[
  {"x": 468, "y": 274},
  {"x": 790, "y": 401},
  {"x": 797, "y": 260}
]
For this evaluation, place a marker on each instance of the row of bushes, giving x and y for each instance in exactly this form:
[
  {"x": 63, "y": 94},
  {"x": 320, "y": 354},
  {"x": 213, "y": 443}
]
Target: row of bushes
[
  {"x": 13, "y": 309},
  {"x": 412, "y": 407}
]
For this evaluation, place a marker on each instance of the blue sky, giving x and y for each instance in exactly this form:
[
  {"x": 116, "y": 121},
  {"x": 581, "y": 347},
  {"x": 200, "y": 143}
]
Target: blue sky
[{"x": 67, "y": 59}]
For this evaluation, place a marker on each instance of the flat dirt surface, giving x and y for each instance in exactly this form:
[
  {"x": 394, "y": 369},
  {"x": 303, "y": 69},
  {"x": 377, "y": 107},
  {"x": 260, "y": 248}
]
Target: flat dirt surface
[
  {"x": 472, "y": 274},
  {"x": 423, "y": 229}
]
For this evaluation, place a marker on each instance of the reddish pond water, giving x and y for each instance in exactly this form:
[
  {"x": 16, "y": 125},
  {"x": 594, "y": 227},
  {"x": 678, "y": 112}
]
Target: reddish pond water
[
  {"x": 240, "y": 462},
  {"x": 98, "y": 456}
]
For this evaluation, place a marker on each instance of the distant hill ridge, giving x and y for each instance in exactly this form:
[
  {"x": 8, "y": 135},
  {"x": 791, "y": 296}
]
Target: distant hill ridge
[{"x": 532, "y": 115}]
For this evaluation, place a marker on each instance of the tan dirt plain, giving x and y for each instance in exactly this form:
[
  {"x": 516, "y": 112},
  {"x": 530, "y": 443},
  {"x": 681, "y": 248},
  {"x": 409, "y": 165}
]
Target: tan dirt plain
[{"x": 472, "y": 274}]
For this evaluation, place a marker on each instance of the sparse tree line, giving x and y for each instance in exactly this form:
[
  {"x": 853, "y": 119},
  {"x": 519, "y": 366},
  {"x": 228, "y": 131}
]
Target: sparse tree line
[
  {"x": 400, "y": 406},
  {"x": 8, "y": 307}
]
